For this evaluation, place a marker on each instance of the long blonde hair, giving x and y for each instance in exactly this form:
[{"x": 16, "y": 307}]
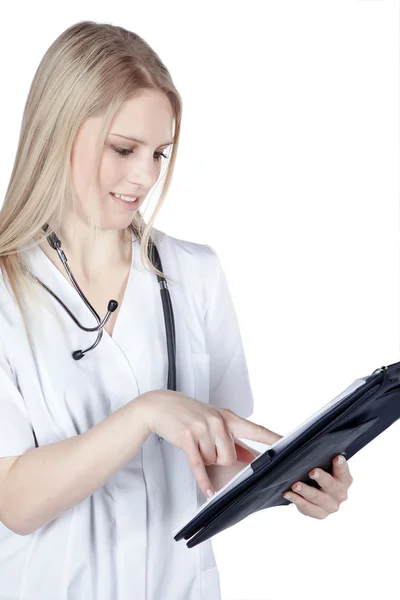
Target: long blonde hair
[{"x": 88, "y": 71}]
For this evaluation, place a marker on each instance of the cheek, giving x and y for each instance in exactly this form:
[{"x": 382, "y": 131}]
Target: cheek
[
  {"x": 82, "y": 165},
  {"x": 110, "y": 175}
]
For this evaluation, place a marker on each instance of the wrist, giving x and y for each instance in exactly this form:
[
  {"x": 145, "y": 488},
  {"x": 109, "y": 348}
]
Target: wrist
[
  {"x": 140, "y": 409},
  {"x": 146, "y": 405}
]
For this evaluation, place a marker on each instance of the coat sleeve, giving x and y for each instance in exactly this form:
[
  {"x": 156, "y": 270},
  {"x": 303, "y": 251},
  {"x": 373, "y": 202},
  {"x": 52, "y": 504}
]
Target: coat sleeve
[
  {"x": 16, "y": 431},
  {"x": 229, "y": 378}
]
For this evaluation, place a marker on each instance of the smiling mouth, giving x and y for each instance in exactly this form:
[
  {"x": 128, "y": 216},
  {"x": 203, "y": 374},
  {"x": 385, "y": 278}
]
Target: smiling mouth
[
  {"x": 125, "y": 202},
  {"x": 131, "y": 198}
]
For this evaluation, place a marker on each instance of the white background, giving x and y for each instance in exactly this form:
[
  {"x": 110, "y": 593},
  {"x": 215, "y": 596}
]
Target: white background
[{"x": 289, "y": 168}]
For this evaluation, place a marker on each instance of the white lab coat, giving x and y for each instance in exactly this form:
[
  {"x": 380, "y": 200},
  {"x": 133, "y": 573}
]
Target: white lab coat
[{"x": 118, "y": 544}]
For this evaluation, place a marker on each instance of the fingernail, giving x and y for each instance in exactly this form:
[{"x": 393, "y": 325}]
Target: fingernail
[
  {"x": 340, "y": 460},
  {"x": 210, "y": 493}
]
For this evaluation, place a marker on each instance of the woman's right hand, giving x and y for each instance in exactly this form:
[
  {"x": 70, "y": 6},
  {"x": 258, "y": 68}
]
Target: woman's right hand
[{"x": 204, "y": 432}]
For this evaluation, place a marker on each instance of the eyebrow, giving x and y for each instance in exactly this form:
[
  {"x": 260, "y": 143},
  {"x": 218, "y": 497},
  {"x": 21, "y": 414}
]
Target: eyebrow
[{"x": 141, "y": 141}]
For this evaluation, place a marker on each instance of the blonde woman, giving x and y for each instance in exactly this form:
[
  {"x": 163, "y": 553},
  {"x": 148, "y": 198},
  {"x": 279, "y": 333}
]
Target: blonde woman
[{"x": 99, "y": 461}]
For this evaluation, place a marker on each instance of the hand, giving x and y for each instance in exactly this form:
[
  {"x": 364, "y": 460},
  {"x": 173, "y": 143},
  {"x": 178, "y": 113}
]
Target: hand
[
  {"x": 319, "y": 503},
  {"x": 204, "y": 432}
]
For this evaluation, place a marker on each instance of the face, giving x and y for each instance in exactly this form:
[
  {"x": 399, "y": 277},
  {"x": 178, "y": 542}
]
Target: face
[{"x": 127, "y": 167}]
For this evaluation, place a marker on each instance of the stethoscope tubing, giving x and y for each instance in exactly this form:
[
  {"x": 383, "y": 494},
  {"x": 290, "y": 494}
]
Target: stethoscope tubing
[{"x": 169, "y": 320}]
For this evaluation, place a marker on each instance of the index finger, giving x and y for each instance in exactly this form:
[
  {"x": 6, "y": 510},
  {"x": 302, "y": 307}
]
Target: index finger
[{"x": 244, "y": 428}]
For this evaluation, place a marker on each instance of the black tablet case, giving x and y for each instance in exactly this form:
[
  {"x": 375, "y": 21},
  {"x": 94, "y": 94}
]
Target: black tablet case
[{"x": 349, "y": 426}]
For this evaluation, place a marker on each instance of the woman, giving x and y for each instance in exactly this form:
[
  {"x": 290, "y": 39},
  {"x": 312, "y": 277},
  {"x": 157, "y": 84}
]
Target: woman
[{"x": 99, "y": 462}]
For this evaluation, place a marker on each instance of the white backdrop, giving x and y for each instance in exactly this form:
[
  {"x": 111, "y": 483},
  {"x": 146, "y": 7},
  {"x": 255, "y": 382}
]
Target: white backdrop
[{"x": 289, "y": 168}]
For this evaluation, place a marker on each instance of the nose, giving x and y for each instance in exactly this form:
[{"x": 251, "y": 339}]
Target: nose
[{"x": 143, "y": 175}]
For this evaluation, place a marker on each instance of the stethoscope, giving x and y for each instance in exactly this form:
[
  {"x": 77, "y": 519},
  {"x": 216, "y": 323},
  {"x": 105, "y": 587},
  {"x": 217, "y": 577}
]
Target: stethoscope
[{"x": 55, "y": 243}]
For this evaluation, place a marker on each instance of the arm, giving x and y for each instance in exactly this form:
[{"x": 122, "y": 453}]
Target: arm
[{"x": 48, "y": 480}]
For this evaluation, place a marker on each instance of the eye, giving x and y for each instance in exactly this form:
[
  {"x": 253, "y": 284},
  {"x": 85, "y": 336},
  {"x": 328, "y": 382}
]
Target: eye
[{"x": 125, "y": 152}]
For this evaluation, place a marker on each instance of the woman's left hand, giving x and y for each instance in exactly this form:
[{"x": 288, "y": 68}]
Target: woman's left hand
[{"x": 321, "y": 502}]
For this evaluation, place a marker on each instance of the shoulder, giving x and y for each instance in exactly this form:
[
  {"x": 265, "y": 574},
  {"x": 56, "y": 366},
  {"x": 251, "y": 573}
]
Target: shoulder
[
  {"x": 186, "y": 252},
  {"x": 192, "y": 266}
]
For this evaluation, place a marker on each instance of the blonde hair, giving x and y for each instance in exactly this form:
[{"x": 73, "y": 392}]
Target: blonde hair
[{"x": 88, "y": 71}]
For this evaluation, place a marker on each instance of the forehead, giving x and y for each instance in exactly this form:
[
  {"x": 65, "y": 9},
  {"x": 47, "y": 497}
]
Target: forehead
[{"x": 147, "y": 118}]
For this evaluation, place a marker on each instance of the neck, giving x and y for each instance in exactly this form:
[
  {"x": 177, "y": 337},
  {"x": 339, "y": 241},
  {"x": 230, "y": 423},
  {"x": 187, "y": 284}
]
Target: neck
[{"x": 111, "y": 250}]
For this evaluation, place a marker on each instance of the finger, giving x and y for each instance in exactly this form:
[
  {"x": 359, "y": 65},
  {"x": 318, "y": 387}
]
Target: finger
[
  {"x": 317, "y": 497},
  {"x": 208, "y": 451},
  {"x": 305, "y": 507},
  {"x": 244, "y": 428},
  {"x": 224, "y": 443},
  {"x": 190, "y": 447},
  {"x": 325, "y": 480},
  {"x": 225, "y": 451},
  {"x": 231, "y": 457},
  {"x": 342, "y": 471}
]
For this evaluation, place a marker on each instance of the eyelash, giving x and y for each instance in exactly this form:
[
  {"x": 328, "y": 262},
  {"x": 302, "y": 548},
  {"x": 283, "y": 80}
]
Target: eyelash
[{"x": 124, "y": 153}]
